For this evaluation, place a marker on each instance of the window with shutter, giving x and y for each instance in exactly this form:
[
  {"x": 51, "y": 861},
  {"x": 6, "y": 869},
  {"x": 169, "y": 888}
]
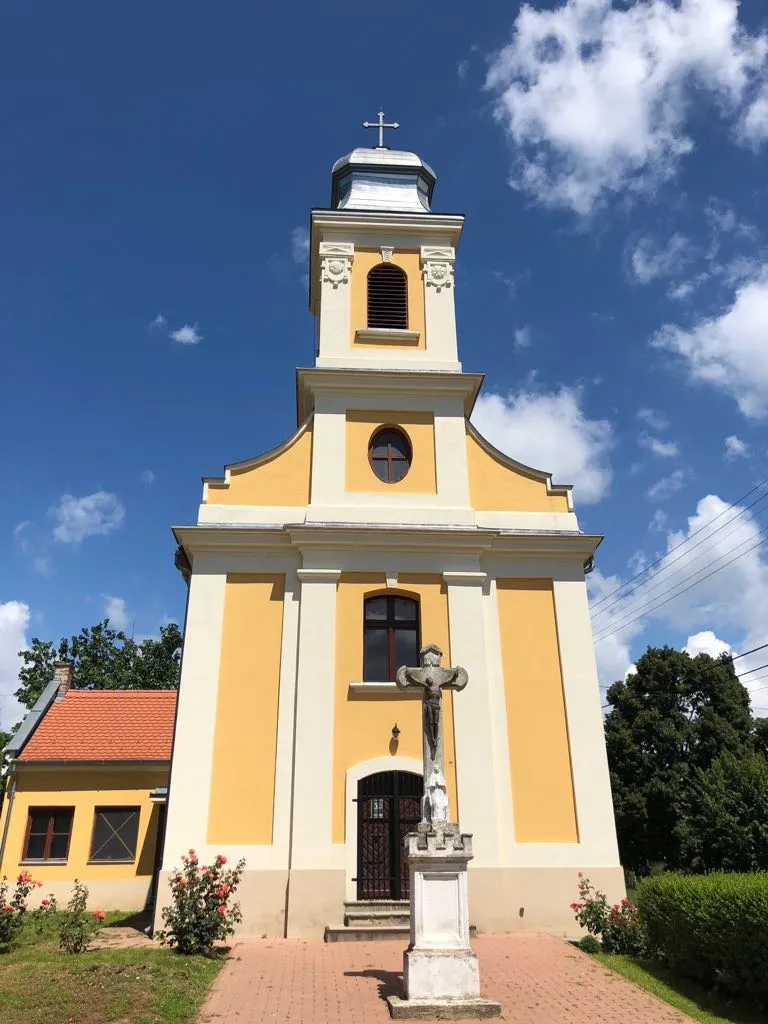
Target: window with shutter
[{"x": 388, "y": 297}]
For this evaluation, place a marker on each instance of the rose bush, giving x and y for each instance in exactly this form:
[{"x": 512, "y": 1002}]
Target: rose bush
[
  {"x": 201, "y": 912},
  {"x": 78, "y": 926},
  {"x": 618, "y": 926},
  {"x": 13, "y": 905}
]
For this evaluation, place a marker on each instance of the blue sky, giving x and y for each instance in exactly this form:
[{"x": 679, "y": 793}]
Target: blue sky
[{"x": 157, "y": 167}]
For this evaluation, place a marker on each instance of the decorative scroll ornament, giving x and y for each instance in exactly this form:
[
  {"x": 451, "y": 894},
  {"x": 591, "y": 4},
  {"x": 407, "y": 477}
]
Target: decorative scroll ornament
[
  {"x": 336, "y": 270},
  {"x": 438, "y": 275}
]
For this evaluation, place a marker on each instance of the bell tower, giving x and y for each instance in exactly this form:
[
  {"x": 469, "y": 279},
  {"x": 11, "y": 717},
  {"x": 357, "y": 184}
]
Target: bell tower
[{"x": 381, "y": 267}]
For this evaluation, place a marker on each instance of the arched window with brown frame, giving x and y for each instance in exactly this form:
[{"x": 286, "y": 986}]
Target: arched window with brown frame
[
  {"x": 388, "y": 297},
  {"x": 390, "y": 636}
]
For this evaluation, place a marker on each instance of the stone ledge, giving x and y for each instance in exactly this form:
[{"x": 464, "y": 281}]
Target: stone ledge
[{"x": 442, "y": 1009}]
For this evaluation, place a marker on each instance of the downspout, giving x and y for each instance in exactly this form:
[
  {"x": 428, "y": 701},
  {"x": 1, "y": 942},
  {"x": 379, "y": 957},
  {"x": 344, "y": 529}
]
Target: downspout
[{"x": 9, "y": 808}]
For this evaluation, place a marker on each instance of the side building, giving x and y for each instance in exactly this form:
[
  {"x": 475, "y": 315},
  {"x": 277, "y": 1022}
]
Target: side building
[{"x": 86, "y": 792}]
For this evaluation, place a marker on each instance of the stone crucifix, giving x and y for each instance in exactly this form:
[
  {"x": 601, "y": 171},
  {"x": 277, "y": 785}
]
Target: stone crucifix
[{"x": 432, "y": 679}]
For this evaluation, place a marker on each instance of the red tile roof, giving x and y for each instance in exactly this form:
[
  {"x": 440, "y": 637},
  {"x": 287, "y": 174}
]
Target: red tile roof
[{"x": 105, "y": 725}]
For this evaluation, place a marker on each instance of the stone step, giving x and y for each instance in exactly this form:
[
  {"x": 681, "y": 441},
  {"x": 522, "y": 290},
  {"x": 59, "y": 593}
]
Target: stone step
[
  {"x": 376, "y": 913},
  {"x": 367, "y": 933}
]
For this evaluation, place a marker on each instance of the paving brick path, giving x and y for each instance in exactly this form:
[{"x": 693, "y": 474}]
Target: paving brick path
[{"x": 537, "y": 978}]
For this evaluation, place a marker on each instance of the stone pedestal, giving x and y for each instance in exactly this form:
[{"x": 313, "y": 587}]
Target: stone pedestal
[{"x": 441, "y": 976}]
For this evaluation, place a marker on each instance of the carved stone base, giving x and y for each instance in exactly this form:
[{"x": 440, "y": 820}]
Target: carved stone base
[{"x": 442, "y": 1009}]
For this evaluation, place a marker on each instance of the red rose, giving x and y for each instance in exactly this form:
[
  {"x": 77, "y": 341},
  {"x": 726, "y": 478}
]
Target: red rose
[
  {"x": 44, "y": 903},
  {"x": 221, "y": 859},
  {"x": 99, "y": 915},
  {"x": 221, "y": 910}
]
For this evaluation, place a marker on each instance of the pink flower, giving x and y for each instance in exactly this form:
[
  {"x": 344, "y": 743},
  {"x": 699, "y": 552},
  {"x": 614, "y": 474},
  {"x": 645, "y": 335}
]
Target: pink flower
[
  {"x": 192, "y": 859},
  {"x": 581, "y": 875},
  {"x": 191, "y": 853},
  {"x": 183, "y": 881},
  {"x": 185, "y": 858},
  {"x": 44, "y": 903},
  {"x": 221, "y": 910},
  {"x": 99, "y": 915},
  {"x": 221, "y": 859},
  {"x": 204, "y": 867},
  {"x": 8, "y": 908},
  {"x": 615, "y": 906}
]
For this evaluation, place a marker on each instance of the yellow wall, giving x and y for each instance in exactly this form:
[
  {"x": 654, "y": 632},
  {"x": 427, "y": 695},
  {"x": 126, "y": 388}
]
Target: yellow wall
[
  {"x": 420, "y": 428},
  {"x": 281, "y": 480},
  {"x": 494, "y": 486},
  {"x": 245, "y": 742},
  {"x": 539, "y": 755},
  {"x": 364, "y": 722},
  {"x": 409, "y": 261},
  {"x": 84, "y": 789}
]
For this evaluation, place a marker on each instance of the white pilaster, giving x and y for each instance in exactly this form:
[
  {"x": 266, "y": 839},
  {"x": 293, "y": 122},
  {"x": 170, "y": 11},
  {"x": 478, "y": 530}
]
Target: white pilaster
[
  {"x": 477, "y": 768},
  {"x": 313, "y": 741},
  {"x": 589, "y": 761},
  {"x": 190, "y": 784},
  {"x": 281, "y": 827},
  {"x": 335, "y": 284},
  {"x": 439, "y": 303}
]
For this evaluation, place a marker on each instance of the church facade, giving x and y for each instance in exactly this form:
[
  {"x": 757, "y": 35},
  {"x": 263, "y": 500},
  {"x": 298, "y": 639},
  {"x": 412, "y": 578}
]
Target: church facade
[{"x": 385, "y": 523}]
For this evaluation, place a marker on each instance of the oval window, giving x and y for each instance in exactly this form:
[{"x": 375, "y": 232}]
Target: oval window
[{"x": 389, "y": 454}]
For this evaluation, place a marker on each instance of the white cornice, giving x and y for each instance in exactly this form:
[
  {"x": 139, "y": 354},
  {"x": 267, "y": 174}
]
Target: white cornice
[
  {"x": 357, "y": 382},
  {"x": 339, "y": 537}
]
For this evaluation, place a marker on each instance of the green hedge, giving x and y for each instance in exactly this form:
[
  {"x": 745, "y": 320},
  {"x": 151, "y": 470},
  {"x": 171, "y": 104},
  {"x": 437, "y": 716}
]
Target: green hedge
[{"x": 710, "y": 927}]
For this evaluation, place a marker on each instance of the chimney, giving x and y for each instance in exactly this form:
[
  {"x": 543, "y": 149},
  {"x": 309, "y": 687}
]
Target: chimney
[{"x": 62, "y": 674}]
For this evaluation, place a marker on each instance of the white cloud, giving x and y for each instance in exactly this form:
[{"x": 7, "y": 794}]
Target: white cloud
[
  {"x": 14, "y": 620},
  {"x": 157, "y": 323},
  {"x": 147, "y": 477},
  {"x": 20, "y": 535},
  {"x": 299, "y": 245},
  {"x": 729, "y": 351},
  {"x": 654, "y": 419},
  {"x": 522, "y": 337},
  {"x": 667, "y": 486},
  {"x": 706, "y": 642},
  {"x": 43, "y": 565},
  {"x": 550, "y": 431},
  {"x": 649, "y": 261},
  {"x": 187, "y": 335},
  {"x": 461, "y": 69},
  {"x": 77, "y": 518},
  {"x": 659, "y": 521},
  {"x": 735, "y": 448},
  {"x": 596, "y": 98},
  {"x": 726, "y": 564},
  {"x": 664, "y": 449},
  {"x": 115, "y": 610}
]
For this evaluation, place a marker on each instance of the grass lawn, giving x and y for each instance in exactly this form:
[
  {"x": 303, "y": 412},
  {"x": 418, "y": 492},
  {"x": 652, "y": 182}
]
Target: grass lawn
[
  {"x": 144, "y": 985},
  {"x": 685, "y": 995}
]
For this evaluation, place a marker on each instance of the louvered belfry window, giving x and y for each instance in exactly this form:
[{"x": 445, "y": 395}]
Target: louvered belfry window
[{"x": 388, "y": 297}]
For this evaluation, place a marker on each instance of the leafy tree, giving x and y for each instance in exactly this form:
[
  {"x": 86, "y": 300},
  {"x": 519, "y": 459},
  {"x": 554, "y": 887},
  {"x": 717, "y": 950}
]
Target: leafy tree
[
  {"x": 674, "y": 714},
  {"x": 725, "y": 827},
  {"x": 104, "y": 659}
]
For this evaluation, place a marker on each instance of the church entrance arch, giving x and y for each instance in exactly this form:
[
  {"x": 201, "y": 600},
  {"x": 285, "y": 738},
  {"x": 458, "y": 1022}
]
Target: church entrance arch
[{"x": 388, "y": 807}]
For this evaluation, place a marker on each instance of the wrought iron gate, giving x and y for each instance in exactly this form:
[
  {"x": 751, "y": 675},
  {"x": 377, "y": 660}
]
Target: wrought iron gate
[{"x": 388, "y": 807}]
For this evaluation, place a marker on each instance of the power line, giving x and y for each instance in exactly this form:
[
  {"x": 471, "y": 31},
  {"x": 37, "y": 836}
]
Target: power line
[
  {"x": 687, "y": 539},
  {"x": 626, "y": 622},
  {"x": 656, "y": 581}
]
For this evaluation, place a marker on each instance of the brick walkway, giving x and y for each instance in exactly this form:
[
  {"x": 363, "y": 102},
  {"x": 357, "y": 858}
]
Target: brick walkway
[{"x": 537, "y": 978}]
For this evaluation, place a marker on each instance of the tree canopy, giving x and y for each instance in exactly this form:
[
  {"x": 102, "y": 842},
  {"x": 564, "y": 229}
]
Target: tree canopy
[
  {"x": 104, "y": 659},
  {"x": 669, "y": 720}
]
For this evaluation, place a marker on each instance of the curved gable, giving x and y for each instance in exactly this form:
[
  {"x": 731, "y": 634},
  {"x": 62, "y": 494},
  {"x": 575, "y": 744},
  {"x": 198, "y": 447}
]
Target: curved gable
[
  {"x": 499, "y": 484},
  {"x": 278, "y": 477}
]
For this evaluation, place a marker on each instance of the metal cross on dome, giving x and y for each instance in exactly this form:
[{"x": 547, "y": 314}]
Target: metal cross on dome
[{"x": 380, "y": 124}]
